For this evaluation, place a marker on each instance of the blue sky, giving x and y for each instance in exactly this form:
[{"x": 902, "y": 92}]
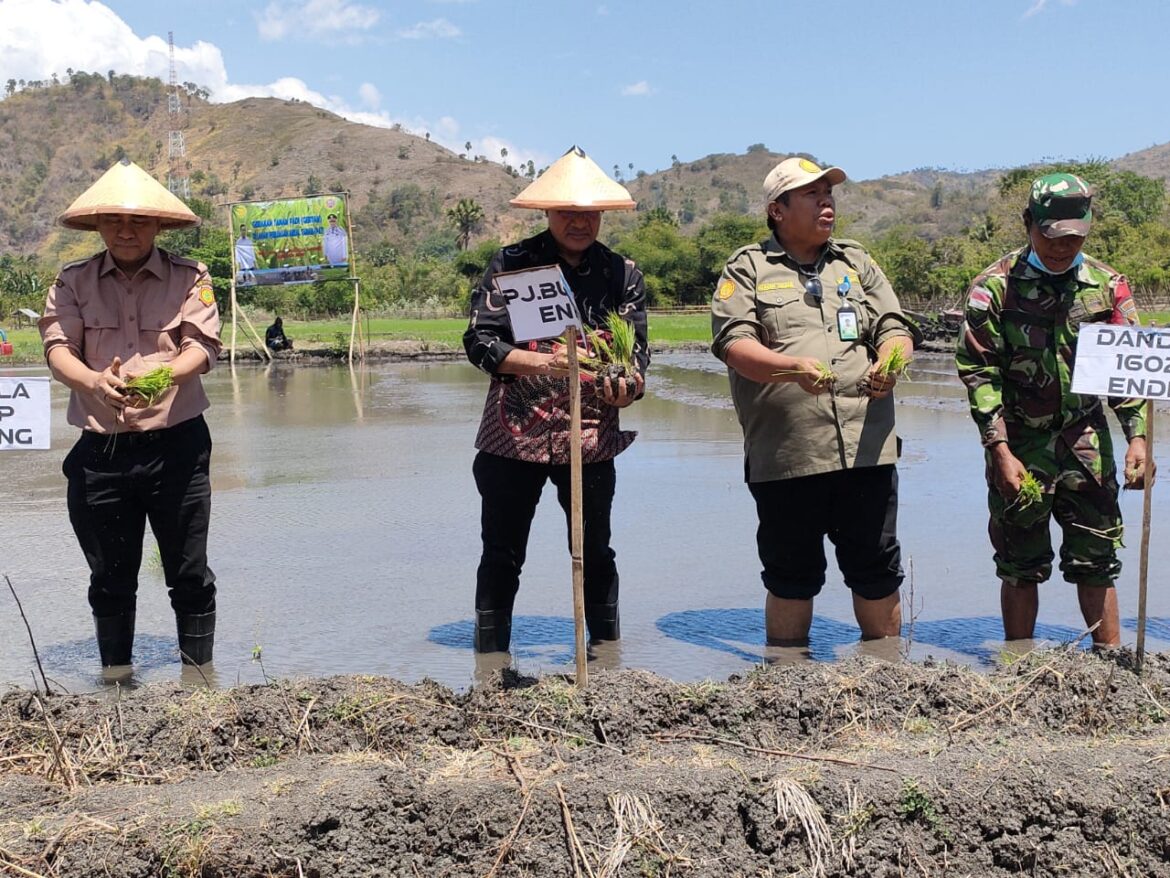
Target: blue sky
[{"x": 875, "y": 86}]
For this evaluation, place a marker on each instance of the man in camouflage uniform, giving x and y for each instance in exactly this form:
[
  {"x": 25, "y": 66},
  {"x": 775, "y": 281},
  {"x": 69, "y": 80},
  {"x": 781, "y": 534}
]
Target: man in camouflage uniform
[{"x": 1015, "y": 355}]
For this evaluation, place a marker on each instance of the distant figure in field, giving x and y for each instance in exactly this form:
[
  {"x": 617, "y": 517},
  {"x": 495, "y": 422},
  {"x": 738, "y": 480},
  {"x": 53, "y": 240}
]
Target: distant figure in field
[
  {"x": 275, "y": 339},
  {"x": 335, "y": 243}
]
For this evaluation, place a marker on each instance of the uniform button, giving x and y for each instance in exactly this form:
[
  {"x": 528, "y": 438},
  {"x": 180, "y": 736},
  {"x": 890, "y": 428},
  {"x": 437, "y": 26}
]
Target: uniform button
[
  {"x": 130, "y": 347},
  {"x": 131, "y": 318}
]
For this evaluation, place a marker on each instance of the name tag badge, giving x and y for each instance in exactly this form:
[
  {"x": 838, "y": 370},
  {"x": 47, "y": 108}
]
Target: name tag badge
[{"x": 847, "y": 324}]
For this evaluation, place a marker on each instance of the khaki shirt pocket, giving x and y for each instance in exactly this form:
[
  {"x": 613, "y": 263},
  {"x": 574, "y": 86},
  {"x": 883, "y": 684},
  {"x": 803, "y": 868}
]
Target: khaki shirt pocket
[
  {"x": 102, "y": 338},
  {"x": 782, "y": 314},
  {"x": 162, "y": 335}
]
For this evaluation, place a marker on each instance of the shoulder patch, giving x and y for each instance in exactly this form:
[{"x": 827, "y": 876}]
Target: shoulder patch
[
  {"x": 206, "y": 293},
  {"x": 726, "y": 289},
  {"x": 979, "y": 299}
]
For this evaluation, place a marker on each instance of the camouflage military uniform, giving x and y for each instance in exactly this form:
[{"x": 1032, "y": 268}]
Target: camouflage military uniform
[{"x": 1016, "y": 356}]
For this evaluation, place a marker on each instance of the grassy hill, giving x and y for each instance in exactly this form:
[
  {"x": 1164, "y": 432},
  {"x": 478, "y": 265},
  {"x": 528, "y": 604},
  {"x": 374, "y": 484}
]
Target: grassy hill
[{"x": 57, "y": 138}]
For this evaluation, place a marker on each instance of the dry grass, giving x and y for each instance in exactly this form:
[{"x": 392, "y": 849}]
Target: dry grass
[{"x": 795, "y": 806}]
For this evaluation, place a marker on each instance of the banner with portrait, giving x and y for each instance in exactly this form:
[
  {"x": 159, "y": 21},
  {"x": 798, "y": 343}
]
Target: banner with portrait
[{"x": 291, "y": 241}]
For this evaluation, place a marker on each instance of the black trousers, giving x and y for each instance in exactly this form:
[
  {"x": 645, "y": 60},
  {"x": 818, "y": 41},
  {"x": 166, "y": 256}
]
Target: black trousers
[
  {"x": 116, "y": 484},
  {"x": 510, "y": 490},
  {"x": 857, "y": 509}
]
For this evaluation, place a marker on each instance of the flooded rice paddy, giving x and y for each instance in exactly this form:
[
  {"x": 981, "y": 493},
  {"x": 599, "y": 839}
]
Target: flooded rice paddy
[{"x": 345, "y": 537}]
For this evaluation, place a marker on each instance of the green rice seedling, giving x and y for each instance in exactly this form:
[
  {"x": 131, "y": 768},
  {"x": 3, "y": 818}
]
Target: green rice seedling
[
  {"x": 825, "y": 375},
  {"x": 613, "y": 351},
  {"x": 1030, "y": 490},
  {"x": 146, "y": 390},
  {"x": 894, "y": 363}
]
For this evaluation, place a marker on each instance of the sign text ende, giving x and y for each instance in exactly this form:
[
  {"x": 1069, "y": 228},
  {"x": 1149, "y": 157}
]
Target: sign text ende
[{"x": 1123, "y": 361}]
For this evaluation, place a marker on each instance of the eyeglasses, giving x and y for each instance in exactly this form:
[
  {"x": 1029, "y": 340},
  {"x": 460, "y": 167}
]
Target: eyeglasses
[{"x": 812, "y": 286}]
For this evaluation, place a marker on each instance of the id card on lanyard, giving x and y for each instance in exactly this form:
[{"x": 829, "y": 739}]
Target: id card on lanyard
[{"x": 847, "y": 326}]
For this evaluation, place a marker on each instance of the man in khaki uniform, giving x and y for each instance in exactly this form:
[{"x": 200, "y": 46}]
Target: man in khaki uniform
[
  {"x": 802, "y": 321},
  {"x": 119, "y": 314}
]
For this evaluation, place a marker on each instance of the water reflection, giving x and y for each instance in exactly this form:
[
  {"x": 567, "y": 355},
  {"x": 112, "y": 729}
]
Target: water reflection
[{"x": 345, "y": 537}]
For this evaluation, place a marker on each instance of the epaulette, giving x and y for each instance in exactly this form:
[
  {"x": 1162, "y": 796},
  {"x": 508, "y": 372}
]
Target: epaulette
[
  {"x": 757, "y": 246},
  {"x": 183, "y": 260},
  {"x": 1102, "y": 266},
  {"x": 77, "y": 263}
]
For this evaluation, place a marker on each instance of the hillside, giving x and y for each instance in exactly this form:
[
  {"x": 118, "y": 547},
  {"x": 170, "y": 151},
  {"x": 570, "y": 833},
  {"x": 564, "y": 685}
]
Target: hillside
[{"x": 56, "y": 139}]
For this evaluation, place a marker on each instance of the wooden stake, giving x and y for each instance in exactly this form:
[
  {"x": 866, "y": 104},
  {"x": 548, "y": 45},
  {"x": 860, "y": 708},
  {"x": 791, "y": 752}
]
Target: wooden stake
[
  {"x": 353, "y": 324},
  {"x": 232, "y": 348},
  {"x": 576, "y": 529},
  {"x": 1145, "y": 553}
]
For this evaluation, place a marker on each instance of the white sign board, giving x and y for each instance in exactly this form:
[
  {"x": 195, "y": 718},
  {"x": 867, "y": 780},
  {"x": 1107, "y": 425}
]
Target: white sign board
[
  {"x": 1126, "y": 361},
  {"x": 539, "y": 302},
  {"x": 24, "y": 413}
]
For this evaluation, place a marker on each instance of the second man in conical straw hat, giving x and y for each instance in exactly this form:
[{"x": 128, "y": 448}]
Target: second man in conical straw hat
[{"x": 523, "y": 438}]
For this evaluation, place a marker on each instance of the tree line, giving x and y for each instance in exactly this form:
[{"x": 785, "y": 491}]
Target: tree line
[{"x": 1130, "y": 232}]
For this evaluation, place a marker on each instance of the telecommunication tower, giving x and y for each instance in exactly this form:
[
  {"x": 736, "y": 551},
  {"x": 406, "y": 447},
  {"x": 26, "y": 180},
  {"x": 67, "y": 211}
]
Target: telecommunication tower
[{"x": 177, "y": 180}]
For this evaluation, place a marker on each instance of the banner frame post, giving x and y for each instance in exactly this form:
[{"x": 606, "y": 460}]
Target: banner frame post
[
  {"x": 576, "y": 530},
  {"x": 1143, "y": 564}
]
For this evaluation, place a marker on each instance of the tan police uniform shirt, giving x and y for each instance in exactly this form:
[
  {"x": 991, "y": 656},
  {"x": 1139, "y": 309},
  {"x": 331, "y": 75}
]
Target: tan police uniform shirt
[
  {"x": 147, "y": 320},
  {"x": 787, "y": 431}
]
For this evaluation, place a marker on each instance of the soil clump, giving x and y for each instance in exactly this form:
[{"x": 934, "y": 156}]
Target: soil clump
[{"x": 1057, "y": 764}]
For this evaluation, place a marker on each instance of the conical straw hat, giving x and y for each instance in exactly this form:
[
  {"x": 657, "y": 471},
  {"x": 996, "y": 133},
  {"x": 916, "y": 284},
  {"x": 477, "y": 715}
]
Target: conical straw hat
[
  {"x": 126, "y": 188},
  {"x": 574, "y": 182}
]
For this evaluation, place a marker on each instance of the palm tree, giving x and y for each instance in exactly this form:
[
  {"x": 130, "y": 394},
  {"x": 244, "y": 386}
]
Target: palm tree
[{"x": 465, "y": 216}]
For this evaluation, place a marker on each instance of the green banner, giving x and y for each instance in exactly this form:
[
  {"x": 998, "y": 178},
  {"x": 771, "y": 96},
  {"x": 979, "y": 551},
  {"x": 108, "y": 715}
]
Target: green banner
[{"x": 291, "y": 241}]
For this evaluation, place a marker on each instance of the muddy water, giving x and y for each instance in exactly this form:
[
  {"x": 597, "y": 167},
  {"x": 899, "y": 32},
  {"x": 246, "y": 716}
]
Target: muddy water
[{"x": 345, "y": 537}]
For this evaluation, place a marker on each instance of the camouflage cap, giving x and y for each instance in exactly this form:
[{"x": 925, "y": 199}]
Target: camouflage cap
[{"x": 1061, "y": 204}]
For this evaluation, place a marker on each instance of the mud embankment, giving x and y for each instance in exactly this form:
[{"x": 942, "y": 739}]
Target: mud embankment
[{"x": 1055, "y": 765}]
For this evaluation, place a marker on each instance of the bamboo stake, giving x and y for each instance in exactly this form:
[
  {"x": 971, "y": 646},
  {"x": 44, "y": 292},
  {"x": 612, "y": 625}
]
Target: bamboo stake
[
  {"x": 1145, "y": 551},
  {"x": 577, "y": 530},
  {"x": 353, "y": 323},
  {"x": 235, "y": 308},
  {"x": 263, "y": 347}
]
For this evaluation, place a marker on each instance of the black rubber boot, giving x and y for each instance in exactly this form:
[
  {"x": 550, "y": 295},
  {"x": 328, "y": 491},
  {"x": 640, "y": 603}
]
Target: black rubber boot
[
  {"x": 196, "y": 637},
  {"x": 603, "y": 622},
  {"x": 115, "y": 638},
  {"x": 493, "y": 630}
]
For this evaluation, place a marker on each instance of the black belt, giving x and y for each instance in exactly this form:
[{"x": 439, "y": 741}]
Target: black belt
[{"x": 141, "y": 438}]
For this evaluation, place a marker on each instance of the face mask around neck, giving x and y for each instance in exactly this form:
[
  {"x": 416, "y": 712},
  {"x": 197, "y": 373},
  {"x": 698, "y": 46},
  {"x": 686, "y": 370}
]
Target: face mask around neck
[{"x": 1034, "y": 261}]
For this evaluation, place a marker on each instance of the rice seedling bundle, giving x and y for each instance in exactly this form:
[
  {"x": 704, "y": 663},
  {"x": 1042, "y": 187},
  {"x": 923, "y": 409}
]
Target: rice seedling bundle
[{"x": 145, "y": 390}]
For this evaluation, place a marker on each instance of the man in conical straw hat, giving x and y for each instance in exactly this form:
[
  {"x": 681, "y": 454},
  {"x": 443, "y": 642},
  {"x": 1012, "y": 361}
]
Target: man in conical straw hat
[
  {"x": 523, "y": 437},
  {"x": 118, "y": 315}
]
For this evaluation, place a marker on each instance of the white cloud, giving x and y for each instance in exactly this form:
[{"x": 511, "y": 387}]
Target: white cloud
[
  {"x": 39, "y": 38},
  {"x": 370, "y": 95},
  {"x": 438, "y": 28},
  {"x": 1040, "y": 5},
  {"x": 637, "y": 89},
  {"x": 337, "y": 20}
]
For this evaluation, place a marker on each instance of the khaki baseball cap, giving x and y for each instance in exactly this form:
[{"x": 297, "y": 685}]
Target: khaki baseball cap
[
  {"x": 1061, "y": 204},
  {"x": 574, "y": 182},
  {"x": 126, "y": 188},
  {"x": 792, "y": 173}
]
